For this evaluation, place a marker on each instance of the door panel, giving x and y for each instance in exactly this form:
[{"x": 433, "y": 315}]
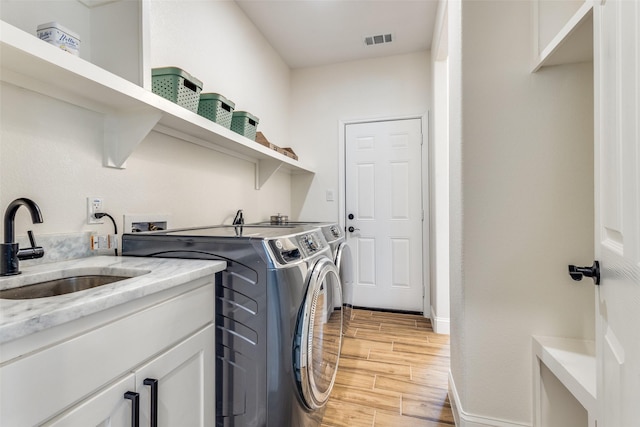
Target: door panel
[
  {"x": 366, "y": 262},
  {"x": 400, "y": 253},
  {"x": 108, "y": 408},
  {"x": 617, "y": 39},
  {"x": 185, "y": 395},
  {"x": 366, "y": 191},
  {"x": 400, "y": 207},
  {"x": 384, "y": 193}
]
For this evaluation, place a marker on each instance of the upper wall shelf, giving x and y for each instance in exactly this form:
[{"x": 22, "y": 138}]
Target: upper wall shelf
[
  {"x": 571, "y": 42},
  {"x": 131, "y": 112}
]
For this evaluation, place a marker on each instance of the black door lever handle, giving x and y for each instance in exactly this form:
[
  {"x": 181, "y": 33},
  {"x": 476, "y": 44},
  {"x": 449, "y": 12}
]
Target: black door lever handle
[{"x": 577, "y": 273}]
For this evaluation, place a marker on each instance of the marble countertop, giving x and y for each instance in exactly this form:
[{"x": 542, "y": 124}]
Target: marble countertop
[{"x": 19, "y": 318}]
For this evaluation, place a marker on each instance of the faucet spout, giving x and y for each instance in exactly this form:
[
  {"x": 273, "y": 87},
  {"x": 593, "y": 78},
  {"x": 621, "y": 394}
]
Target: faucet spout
[
  {"x": 239, "y": 219},
  {"x": 10, "y": 216},
  {"x": 10, "y": 253}
]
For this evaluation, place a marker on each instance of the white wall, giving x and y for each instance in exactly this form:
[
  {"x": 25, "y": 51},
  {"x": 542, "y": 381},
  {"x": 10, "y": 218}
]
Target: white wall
[
  {"x": 51, "y": 151},
  {"x": 521, "y": 182},
  {"x": 322, "y": 96}
]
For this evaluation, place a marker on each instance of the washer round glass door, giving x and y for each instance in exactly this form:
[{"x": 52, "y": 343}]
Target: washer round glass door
[{"x": 319, "y": 334}]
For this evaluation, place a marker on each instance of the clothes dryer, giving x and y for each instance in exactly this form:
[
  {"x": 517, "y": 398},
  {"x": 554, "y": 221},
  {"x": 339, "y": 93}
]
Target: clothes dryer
[
  {"x": 277, "y": 343},
  {"x": 341, "y": 254}
]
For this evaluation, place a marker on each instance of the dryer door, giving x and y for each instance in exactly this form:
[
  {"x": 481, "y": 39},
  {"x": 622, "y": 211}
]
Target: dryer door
[
  {"x": 319, "y": 335},
  {"x": 344, "y": 263}
]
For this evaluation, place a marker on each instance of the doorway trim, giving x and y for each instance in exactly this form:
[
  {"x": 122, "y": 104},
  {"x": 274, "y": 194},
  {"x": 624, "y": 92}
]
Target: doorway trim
[{"x": 424, "y": 178}]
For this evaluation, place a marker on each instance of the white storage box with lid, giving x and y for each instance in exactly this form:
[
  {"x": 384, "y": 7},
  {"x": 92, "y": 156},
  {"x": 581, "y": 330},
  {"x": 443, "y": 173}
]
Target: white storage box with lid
[{"x": 59, "y": 36}]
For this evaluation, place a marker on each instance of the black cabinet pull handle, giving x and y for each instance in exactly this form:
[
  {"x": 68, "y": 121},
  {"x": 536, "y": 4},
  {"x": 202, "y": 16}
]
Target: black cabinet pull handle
[
  {"x": 577, "y": 273},
  {"x": 153, "y": 383},
  {"x": 135, "y": 407}
]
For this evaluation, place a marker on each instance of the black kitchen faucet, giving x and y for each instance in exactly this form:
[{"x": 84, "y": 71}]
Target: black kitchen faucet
[{"x": 10, "y": 254}]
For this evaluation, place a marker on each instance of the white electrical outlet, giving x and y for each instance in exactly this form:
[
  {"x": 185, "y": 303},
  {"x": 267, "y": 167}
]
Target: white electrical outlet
[{"x": 94, "y": 204}]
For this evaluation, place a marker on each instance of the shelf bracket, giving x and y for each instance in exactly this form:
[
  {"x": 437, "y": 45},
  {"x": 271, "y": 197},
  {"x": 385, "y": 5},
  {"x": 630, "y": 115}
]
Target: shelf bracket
[
  {"x": 123, "y": 132},
  {"x": 265, "y": 168}
]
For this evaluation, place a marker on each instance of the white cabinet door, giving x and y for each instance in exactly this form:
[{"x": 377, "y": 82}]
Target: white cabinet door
[
  {"x": 186, "y": 383},
  {"x": 617, "y": 78},
  {"x": 107, "y": 408}
]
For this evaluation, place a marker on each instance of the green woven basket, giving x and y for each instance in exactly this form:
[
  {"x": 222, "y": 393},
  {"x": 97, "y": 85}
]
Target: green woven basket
[
  {"x": 217, "y": 108},
  {"x": 245, "y": 124},
  {"x": 177, "y": 86}
]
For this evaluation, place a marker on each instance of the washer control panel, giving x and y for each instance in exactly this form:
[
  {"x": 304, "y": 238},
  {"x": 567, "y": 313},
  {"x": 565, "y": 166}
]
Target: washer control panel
[{"x": 309, "y": 242}]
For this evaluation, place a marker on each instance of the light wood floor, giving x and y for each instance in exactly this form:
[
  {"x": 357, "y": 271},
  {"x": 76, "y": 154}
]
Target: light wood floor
[{"x": 393, "y": 371}]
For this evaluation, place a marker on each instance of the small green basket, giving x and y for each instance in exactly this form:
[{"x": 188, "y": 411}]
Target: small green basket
[
  {"x": 245, "y": 124},
  {"x": 177, "y": 86},
  {"x": 217, "y": 108}
]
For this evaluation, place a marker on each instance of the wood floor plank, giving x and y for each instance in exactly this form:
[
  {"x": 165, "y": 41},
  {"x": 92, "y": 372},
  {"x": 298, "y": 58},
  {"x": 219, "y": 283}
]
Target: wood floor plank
[
  {"x": 427, "y": 375},
  {"x": 424, "y": 348},
  {"x": 382, "y": 399},
  {"x": 417, "y": 390},
  {"x": 439, "y": 338},
  {"x": 344, "y": 414},
  {"x": 355, "y": 379},
  {"x": 406, "y": 337},
  {"x": 408, "y": 358},
  {"x": 364, "y": 324},
  {"x": 361, "y": 348},
  {"x": 388, "y": 419},
  {"x": 375, "y": 367},
  {"x": 427, "y": 410},
  {"x": 392, "y": 328}
]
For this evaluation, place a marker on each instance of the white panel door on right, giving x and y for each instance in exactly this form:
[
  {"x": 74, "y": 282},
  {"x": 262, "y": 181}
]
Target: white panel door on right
[
  {"x": 617, "y": 173},
  {"x": 384, "y": 210}
]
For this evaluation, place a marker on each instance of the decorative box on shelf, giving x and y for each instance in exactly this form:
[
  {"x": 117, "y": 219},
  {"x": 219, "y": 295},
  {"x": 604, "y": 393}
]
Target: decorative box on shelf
[{"x": 287, "y": 151}]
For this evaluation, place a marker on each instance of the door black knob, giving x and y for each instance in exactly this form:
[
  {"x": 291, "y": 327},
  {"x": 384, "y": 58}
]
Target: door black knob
[
  {"x": 352, "y": 229},
  {"x": 577, "y": 273},
  {"x": 350, "y": 216}
]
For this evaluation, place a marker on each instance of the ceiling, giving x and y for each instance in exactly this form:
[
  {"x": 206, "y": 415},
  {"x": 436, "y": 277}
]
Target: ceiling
[{"x": 310, "y": 33}]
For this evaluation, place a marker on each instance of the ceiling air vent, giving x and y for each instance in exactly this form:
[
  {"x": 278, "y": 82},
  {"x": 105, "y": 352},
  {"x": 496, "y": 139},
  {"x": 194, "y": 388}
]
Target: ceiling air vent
[{"x": 378, "y": 39}]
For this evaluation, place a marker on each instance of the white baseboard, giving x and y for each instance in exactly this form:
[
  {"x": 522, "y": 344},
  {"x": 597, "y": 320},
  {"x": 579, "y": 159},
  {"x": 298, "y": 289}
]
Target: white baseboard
[
  {"x": 464, "y": 419},
  {"x": 440, "y": 325}
]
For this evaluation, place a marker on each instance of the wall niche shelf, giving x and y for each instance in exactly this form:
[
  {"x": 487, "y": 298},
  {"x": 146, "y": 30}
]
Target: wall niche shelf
[
  {"x": 130, "y": 111},
  {"x": 573, "y": 362},
  {"x": 571, "y": 43}
]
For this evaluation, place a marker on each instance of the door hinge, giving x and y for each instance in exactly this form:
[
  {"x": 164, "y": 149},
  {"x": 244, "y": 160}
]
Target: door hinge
[{"x": 422, "y": 214}]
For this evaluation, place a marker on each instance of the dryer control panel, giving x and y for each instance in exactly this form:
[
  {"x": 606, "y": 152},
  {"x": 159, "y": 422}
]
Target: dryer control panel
[{"x": 295, "y": 248}]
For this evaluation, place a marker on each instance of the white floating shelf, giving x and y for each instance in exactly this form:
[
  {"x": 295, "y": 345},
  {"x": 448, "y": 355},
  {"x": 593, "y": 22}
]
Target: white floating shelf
[
  {"x": 573, "y": 43},
  {"x": 131, "y": 111}
]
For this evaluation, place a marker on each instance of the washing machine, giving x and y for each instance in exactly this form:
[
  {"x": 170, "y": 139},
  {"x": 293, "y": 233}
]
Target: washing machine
[
  {"x": 277, "y": 343},
  {"x": 341, "y": 254}
]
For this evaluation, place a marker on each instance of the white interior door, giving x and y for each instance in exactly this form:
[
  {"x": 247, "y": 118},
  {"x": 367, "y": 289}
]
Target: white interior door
[
  {"x": 617, "y": 72},
  {"x": 384, "y": 210}
]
